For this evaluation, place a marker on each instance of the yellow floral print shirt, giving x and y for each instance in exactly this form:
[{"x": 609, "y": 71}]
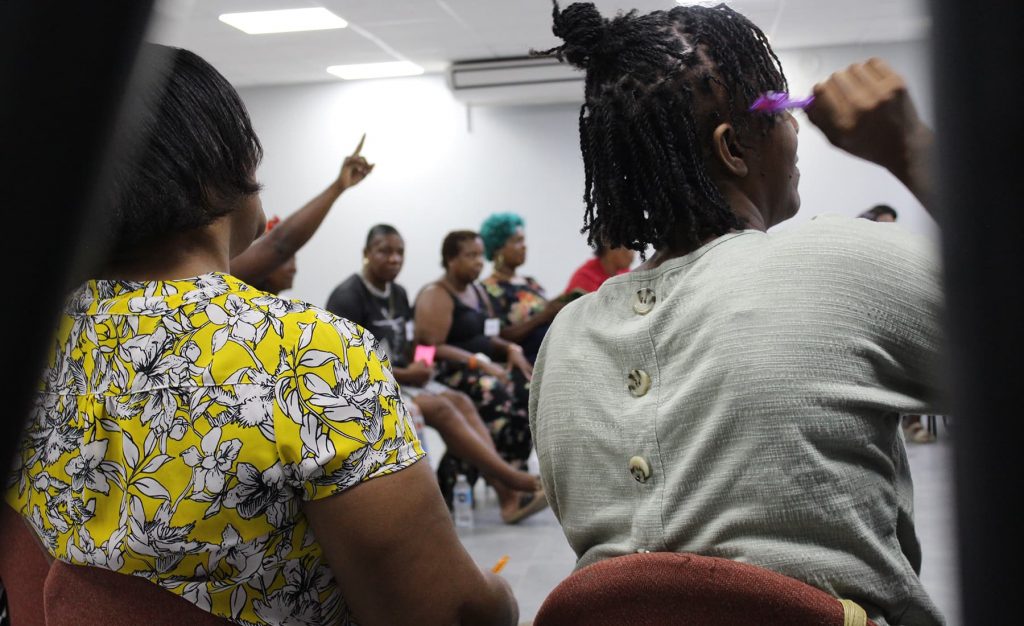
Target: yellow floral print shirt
[{"x": 178, "y": 426}]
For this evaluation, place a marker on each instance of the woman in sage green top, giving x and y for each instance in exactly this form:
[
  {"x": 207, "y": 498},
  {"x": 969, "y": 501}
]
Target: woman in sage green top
[{"x": 738, "y": 394}]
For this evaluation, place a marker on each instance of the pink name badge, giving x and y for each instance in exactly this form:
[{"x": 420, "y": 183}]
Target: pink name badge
[{"x": 425, "y": 354}]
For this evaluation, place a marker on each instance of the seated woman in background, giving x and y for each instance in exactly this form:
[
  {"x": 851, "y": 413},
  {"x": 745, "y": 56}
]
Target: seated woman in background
[
  {"x": 607, "y": 262},
  {"x": 738, "y": 395},
  {"x": 520, "y": 303},
  {"x": 247, "y": 453},
  {"x": 375, "y": 301},
  {"x": 455, "y": 315}
]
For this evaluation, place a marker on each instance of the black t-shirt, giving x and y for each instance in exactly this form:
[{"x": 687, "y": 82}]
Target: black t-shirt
[{"x": 387, "y": 318}]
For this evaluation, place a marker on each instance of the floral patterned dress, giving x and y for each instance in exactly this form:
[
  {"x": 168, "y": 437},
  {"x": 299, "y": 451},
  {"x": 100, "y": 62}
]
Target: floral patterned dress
[
  {"x": 502, "y": 406},
  {"x": 516, "y": 301},
  {"x": 179, "y": 425}
]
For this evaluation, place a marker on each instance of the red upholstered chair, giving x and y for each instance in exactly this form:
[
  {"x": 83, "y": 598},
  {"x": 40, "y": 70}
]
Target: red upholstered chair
[
  {"x": 92, "y": 596},
  {"x": 665, "y": 588},
  {"x": 23, "y": 567}
]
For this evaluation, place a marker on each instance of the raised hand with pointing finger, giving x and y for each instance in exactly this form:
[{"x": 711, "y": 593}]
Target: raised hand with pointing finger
[
  {"x": 355, "y": 168},
  {"x": 279, "y": 245}
]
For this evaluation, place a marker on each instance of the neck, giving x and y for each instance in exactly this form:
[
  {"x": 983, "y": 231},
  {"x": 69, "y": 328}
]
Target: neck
[
  {"x": 504, "y": 272},
  {"x": 376, "y": 281},
  {"x": 182, "y": 256},
  {"x": 745, "y": 208},
  {"x": 742, "y": 206},
  {"x": 672, "y": 252},
  {"x": 750, "y": 217},
  {"x": 457, "y": 283},
  {"x": 606, "y": 264}
]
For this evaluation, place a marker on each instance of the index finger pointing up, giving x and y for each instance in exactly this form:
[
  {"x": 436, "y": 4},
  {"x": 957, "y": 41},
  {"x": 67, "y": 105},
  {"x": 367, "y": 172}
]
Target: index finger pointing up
[{"x": 359, "y": 148}]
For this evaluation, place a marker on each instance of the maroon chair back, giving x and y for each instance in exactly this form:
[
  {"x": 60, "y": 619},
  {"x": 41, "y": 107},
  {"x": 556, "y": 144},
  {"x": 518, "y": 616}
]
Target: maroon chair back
[
  {"x": 663, "y": 588},
  {"x": 92, "y": 596},
  {"x": 23, "y": 567}
]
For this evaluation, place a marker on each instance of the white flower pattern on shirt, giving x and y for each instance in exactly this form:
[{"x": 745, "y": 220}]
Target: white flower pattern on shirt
[{"x": 178, "y": 426}]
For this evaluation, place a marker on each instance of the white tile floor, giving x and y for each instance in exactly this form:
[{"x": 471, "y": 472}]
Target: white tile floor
[
  {"x": 539, "y": 556},
  {"x": 932, "y": 468}
]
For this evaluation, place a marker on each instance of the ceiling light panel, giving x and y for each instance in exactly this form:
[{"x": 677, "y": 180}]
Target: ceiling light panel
[
  {"x": 285, "y": 21},
  {"x": 376, "y": 70}
]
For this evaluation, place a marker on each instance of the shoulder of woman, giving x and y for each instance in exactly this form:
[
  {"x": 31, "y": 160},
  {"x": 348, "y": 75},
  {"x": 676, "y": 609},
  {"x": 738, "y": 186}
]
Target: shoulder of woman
[
  {"x": 837, "y": 234},
  {"x": 435, "y": 293},
  {"x": 433, "y": 288}
]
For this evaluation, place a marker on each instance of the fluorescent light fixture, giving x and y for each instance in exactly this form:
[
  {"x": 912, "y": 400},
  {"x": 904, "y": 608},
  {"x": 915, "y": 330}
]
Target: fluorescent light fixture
[
  {"x": 286, "y": 21},
  {"x": 376, "y": 70}
]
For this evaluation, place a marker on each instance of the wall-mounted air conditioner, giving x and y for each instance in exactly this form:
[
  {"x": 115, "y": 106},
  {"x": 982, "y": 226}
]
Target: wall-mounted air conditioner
[{"x": 520, "y": 80}]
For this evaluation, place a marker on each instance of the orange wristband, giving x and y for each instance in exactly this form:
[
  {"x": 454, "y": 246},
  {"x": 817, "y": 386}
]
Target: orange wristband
[{"x": 472, "y": 362}]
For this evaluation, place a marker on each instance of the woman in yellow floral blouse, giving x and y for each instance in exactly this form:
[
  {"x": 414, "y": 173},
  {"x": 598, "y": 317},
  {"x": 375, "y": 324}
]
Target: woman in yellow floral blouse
[{"x": 250, "y": 454}]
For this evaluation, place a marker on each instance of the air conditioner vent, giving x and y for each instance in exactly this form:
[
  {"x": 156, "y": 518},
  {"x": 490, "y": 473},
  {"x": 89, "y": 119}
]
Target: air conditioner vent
[{"x": 521, "y": 80}]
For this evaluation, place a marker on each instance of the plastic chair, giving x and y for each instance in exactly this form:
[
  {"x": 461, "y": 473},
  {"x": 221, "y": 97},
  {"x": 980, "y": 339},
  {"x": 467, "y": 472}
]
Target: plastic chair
[
  {"x": 664, "y": 588},
  {"x": 23, "y": 568},
  {"x": 75, "y": 595}
]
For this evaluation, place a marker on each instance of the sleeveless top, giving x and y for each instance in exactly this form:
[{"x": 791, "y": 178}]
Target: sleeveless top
[{"x": 467, "y": 329}]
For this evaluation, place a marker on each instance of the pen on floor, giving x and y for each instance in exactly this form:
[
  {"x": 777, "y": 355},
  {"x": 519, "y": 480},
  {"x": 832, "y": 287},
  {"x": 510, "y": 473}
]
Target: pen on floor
[{"x": 500, "y": 564}]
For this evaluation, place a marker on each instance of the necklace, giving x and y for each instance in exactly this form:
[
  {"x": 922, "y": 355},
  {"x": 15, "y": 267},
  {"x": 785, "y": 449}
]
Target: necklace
[
  {"x": 504, "y": 275},
  {"x": 384, "y": 294}
]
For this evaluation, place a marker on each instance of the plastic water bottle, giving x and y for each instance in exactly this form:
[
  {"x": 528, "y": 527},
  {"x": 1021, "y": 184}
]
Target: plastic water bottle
[{"x": 462, "y": 502}]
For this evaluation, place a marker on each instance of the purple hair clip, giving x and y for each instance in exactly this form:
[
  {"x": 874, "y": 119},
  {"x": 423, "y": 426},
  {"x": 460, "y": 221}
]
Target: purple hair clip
[{"x": 778, "y": 101}]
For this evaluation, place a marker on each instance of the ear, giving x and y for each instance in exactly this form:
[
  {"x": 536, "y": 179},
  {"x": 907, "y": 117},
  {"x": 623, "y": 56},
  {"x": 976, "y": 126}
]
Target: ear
[{"x": 727, "y": 152}]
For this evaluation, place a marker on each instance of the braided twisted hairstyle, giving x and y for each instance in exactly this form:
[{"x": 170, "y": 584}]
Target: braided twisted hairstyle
[{"x": 656, "y": 87}]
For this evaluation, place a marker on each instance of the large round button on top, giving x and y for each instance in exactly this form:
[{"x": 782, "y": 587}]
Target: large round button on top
[
  {"x": 643, "y": 300},
  {"x": 639, "y": 383},
  {"x": 639, "y": 468}
]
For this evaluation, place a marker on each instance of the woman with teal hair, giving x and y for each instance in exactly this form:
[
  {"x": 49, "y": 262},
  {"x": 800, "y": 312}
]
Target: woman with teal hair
[{"x": 519, "y": 301}]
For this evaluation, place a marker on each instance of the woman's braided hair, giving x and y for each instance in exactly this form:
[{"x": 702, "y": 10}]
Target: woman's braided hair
[{"x": 656, "y": 87}]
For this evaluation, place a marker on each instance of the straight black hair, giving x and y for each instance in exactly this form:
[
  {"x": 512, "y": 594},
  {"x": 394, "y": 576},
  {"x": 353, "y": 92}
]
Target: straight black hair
[
  {"x": 199, "y": 154},
  {"x": 452, "y": 244}
]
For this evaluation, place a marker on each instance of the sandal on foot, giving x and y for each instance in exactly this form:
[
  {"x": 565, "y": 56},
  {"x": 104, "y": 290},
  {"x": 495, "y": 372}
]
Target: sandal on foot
[{"x": 529, "y": 503}]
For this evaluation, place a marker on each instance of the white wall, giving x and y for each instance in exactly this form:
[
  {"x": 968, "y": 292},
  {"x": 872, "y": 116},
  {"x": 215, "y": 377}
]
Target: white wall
[
  {"x": 441, "y": 167},
  {"x": 832, "y": 181}
]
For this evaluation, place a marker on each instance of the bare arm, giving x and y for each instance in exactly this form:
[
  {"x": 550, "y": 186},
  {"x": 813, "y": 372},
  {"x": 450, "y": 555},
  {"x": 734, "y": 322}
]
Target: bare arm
[
  {"x": 517, "y": 332},
  {"x": 387, "y": 539},
  {"x": 281, "y": 243},
  {"x": 866, "y": 110},
  {"x": 513, "y": 356},
  {"x": 416, "y": 374},
  {"x": 433, "y": 319},
  {"x": 434, "y": 308}
]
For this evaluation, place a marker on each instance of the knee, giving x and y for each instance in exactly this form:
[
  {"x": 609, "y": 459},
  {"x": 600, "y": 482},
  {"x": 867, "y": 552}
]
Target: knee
[
  {"x": 441, "y": 413},
  {"x": 460, "y": 400}
]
